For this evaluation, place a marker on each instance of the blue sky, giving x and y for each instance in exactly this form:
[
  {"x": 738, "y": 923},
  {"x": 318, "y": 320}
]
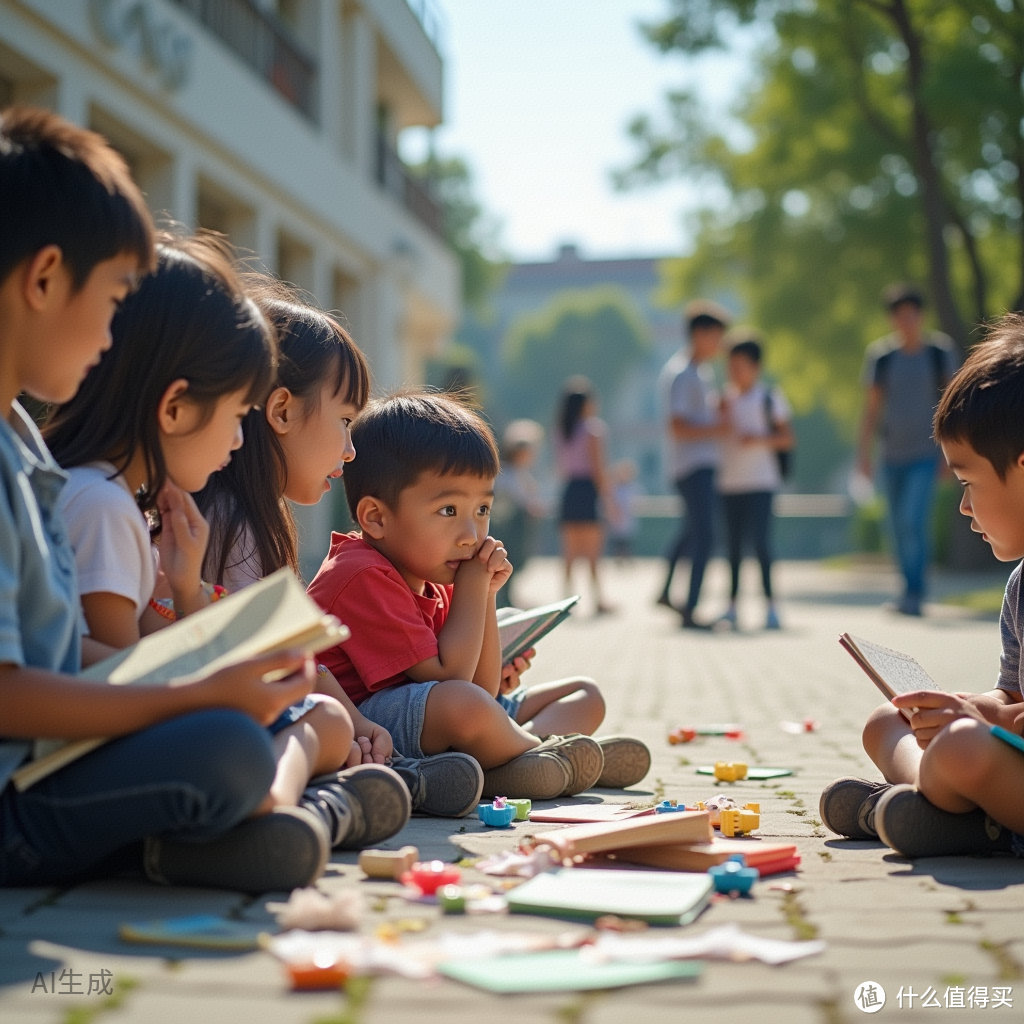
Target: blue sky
[{"x": 538, "y": 96}]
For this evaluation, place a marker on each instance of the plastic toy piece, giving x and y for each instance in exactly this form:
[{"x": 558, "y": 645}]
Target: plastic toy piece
[
  {"x": 451, "y": 899},
  {"x": 498, "y": 814},
  {"x": 688, "y": 733},
  {"x": 311, "y": 977},
  {"x": 388, "y": 863},
  {"x": 429, "y": 876},
  {"x": 739, "y": 822},
  {"x": 683, "y": 734},
  {"x": 667, "y": 806},
  {"x": 732, "y": 876},
  {"x": 730, "y": 771},
  {"x": 523, "y": 808}
]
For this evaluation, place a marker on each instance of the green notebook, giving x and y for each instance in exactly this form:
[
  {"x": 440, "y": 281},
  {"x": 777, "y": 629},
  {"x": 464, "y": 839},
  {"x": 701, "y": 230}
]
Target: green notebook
[
  {"x": 562, "y": 970},
  {"x": 752, "y": 773},
  {"x": 658, "y": 897}
]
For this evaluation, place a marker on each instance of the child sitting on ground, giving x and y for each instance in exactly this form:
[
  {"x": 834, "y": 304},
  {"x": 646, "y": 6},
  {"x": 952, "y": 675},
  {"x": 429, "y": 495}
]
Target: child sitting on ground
[
  {"x": 952, "y": 785},
  {"x": 175, "y": 788},
  {"x": 417, "y": 587},
  {"x": 191, "y": 353},
  {"x": 295, "y": 445}
]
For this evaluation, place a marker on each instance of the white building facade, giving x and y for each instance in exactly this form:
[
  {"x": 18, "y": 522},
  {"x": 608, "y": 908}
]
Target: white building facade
[{"x": 274, "y": 121}]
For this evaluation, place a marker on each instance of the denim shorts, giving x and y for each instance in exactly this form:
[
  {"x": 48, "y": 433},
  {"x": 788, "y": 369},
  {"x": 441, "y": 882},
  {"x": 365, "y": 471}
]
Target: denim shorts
[
  {"x": 401, "y": 709},
  {"x": 294, "y": 712},
  {"x": 513, "y": 701}
]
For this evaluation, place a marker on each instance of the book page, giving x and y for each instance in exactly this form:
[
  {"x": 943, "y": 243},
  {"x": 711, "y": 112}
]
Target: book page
[
  {"x": 899, "y": 672},
  {"x": 520, "y": 630}
]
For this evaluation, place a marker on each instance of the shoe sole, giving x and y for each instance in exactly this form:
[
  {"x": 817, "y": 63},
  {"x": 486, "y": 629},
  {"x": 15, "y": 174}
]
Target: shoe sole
[
  {"x": 913, "y": 827},
  {"x": 380, "y": 802},
  {"x": 626, "y": 761},
  {"x": 460, "y": 791},
  {"x": 277, "y": 852},
  {"x": 839, "y": 804}
]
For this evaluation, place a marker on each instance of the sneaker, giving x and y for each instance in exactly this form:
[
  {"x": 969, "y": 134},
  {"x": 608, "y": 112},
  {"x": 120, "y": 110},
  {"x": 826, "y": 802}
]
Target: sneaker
[
  {"x": 276, "y": 852},
  {"x": 772, "y": 620},
  {"x": 913, "y": 827},
  {"x": 847, "y": 807},
  {"x": 626, "y": 761},
  {"x": 360, "y": 806},
  {"x": 559, "y": 766},
  {"x": 727, "y": 620},
  {"x": 687, "y": 621},
  {"x": 444, "y": 785}
]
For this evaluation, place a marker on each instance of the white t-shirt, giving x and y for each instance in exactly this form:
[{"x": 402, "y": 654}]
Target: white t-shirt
[
  {"x": 689, "y": 393},
  {"x": 109, "y": 535},
  {"x": 751, "y": 467}
]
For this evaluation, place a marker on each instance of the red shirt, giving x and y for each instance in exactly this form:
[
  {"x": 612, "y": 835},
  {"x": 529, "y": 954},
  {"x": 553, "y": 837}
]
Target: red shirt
[{"x": 392, "y": 628}]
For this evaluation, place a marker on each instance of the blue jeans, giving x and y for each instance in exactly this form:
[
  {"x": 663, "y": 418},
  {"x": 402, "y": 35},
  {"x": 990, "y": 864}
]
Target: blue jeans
[
  {"x": 191, "y": 778},
  {"x": 749, "y": 516},
  {"x": 697, "y": 490},
  {"x": 910, "y": 487}
]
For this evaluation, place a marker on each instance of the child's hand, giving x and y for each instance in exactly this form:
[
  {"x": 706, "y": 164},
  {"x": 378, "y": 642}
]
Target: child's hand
[
  {"x": 933, "y": 710},
  {"x": 182, "y": 541},
  {"x": 243, "y": 687},
  {"x": 510, "y": 673},
  {"x": 993, "y": 710},
  {"x": 494, "y": 557},
  {"x": 372, "y": 743}
]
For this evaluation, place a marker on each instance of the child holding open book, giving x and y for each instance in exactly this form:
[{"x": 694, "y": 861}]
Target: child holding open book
[
  {"x": 953, "y": 784},
  {"x": 417, "y": 584},
  {"x": 191, "y": 354},
  {"x": 176, "y": 788},
  {"x": 296, "y": 444}
]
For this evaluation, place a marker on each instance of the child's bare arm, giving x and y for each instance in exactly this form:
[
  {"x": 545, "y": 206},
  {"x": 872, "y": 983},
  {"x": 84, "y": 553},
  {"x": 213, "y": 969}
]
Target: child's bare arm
[
  {"x": 182, "y": 547},
  {"x": 111, "y": 618},
  {"x": 34, "y": 702},
  {"x": 488, "y": 668}
]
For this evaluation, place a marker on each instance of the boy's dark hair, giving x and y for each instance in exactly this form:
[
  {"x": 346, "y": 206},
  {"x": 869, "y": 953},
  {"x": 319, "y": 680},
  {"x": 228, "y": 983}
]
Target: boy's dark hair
[
  {"x": 63, "y": 185},
  {"x": 189, "y": 319},
  {"x": 315, "y": 351},
  {"x": 899, "y": 294},
  {"x": 983, "y": 405},
  {"x": 701, "y": 314},
  {"x": 412, "y": 432},
  {"x": 747, "y": 343}
]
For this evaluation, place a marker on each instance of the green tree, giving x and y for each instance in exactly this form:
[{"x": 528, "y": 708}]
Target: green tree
[
  {"x": 880, "y": 140},
  {"x": 594, "y": 331}
]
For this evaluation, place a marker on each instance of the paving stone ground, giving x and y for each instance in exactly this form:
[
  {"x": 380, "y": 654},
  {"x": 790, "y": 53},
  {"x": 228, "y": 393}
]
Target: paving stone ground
[{"x": 941, "y": 927}]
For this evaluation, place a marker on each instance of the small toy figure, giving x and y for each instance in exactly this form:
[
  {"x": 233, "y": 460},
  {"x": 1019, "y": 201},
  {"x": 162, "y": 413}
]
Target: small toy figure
[
  {"x": 734, "y": 876},
  {"x": 667, "y": 806},
  {"x": 523, "y": 808},
  {"x": 730, "y": 771},
  {"x": 740, "y": 822},
  {"x": 498, "y": 814},
  {"x": 683, "y": 734}
]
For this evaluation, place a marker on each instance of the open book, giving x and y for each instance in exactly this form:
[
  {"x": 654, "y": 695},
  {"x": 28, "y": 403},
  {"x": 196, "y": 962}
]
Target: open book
[
  {"x": 272, "y": 615},
  {"x": 520, "y": 630},
  {"x": 891, "y": 671}
]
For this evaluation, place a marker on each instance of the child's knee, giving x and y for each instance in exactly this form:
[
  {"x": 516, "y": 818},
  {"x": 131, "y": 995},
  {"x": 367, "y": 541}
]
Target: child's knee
[
  {"x": 962, "y": 754},
  {"x": 462, "y": 709},
  {"x": 334, "y": 731},
  {"x": 882, "y": 725}
]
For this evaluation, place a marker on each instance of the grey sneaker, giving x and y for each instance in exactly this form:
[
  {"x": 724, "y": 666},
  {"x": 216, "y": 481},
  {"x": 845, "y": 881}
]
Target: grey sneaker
[
  {"x": 360, "y": 806},
  {"x": 559, "y": 766},
  {"x": 280, "y": 851},
  {"x": 444, "y": 785},
  {"x": 626, "y": 761},
  {"x": 847, "y": 806},
  {"x": 912, "y": 826}
]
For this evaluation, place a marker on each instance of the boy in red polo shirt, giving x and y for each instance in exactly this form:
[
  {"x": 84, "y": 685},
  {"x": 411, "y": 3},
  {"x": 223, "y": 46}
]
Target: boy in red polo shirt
[{"x": 416, "y": 586}]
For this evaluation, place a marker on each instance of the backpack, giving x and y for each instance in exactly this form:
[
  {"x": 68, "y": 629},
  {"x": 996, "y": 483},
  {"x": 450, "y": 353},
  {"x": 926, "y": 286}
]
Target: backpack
[
  {"x": 785, "y": 459},
  {"x": 938, "y": 367}
]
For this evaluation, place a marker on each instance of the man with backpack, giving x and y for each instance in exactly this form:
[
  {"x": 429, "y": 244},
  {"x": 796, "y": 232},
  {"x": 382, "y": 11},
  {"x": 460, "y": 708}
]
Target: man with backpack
[{"x": 904, "y": 375}]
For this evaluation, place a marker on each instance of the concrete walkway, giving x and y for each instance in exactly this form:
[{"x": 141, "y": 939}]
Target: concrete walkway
[{"x": 948, "y": 929}]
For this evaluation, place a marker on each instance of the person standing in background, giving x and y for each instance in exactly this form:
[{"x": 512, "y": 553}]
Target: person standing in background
[
  {"x": 904, "y": 375},
  {"x": 579, "y": 441},
  {"x": 695, "y": 426}
]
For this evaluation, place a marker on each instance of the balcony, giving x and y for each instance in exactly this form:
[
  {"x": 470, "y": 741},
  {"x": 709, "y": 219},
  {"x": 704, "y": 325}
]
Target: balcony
[
  {"x": 394, "y": 177},
  {"x": 265, "y": 44}
]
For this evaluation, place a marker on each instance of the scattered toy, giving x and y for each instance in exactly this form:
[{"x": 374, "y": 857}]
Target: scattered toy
[
  {"x": 730, "y": 771},
  {"x": 523, "y": 808},
  {"x": 429, "y": 876},
  {"x": 388, "y": 863},
  {"x": 451, "y": 900},
  {"x": 688, "y": 733},
  {"x": 739, "y": 821},
  {"x": 807, "y": 725},
  {"x": 498, "y": 814},
  {"x": 733, "y": 876},
  {"x": 312, "y": 910},
  {"x": 753, "y": 774},
  {"x": 667, "y": 806}
]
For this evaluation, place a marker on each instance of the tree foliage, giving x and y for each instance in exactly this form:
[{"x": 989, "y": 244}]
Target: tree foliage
[
  {"x": 597, "y": 332},
  {"x": 881, "y": 140}
]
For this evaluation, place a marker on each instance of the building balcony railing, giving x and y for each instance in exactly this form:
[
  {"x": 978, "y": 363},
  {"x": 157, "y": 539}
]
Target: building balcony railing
[
  {"x": 264, "y": 44},
  {"x": 394, "y": 177}
]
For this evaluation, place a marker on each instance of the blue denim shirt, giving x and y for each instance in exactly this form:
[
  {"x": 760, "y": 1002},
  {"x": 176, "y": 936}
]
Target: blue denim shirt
[{"x": 40, "y": 618}]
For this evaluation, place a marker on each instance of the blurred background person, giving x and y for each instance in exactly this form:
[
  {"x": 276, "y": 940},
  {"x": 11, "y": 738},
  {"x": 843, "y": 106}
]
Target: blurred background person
[
  {"x": 579, "y": 443},
  {"x": 626, "y": 489}
]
